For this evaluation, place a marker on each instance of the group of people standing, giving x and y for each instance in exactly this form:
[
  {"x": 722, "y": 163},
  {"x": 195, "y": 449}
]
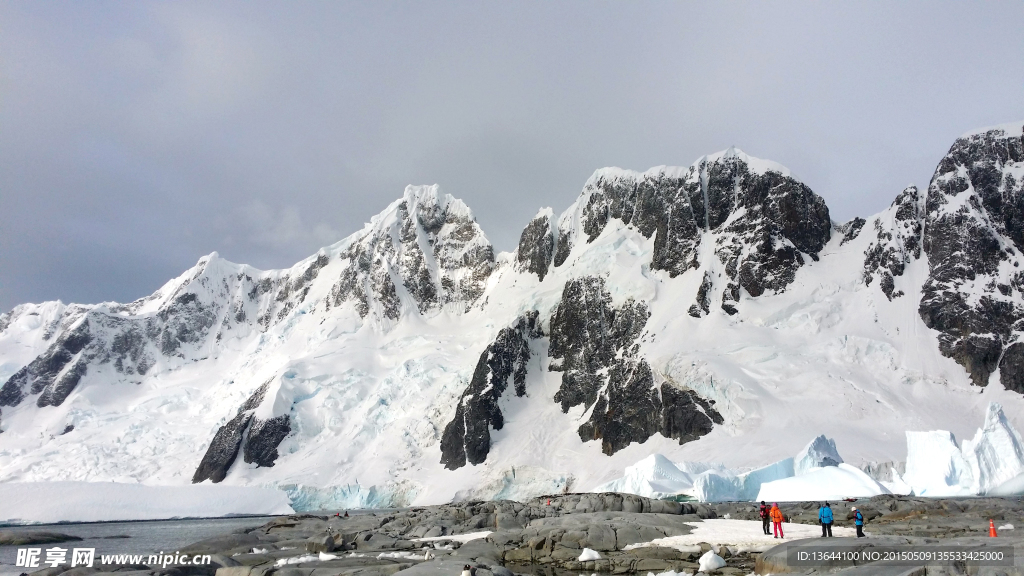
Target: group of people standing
[{"x": 773, "y": 515}]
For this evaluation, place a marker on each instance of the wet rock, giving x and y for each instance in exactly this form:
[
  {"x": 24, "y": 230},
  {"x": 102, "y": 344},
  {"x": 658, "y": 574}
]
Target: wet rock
[
  {"x": 222, "y": 561},
  {"x": 23, "y": 538},
  {"x": 224, "y": 544},
  {"x": 323, "y": 543},
  {"x": 600, "y": 538}
]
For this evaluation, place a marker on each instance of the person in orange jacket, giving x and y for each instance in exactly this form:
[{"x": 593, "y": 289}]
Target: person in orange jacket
[{"x": 777, "y": 519}]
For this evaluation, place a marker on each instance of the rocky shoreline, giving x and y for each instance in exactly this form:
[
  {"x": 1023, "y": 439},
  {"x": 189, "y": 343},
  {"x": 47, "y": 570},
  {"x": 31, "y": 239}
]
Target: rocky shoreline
[{"x": 547, "y": 536}]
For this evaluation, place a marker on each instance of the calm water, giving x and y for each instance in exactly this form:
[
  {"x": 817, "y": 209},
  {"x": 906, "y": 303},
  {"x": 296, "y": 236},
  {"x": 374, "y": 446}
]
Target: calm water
[{"x": 151, "y": 537}]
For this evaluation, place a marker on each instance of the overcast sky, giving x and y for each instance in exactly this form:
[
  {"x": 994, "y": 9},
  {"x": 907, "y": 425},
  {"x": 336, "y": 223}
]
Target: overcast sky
[{"x": 136, "y": 137}]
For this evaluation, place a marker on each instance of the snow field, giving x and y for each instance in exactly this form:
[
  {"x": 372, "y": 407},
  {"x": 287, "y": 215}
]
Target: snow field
[{"x": 740, "y": 535}]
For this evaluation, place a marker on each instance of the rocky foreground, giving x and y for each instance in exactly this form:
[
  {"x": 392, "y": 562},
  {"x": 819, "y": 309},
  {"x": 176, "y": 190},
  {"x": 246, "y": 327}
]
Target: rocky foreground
[{"x": 547, "y": 536}]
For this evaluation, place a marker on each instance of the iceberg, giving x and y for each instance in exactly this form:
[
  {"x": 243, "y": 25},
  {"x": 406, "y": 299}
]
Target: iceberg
[
  {"x": 935, "y": 465},
  {"x": 819, "y": 453},
  {"x": 716, "y": 486},
  {"x": 991, "y": 463},
  {"x": 750, "y": 482},
  {"x": 995, "y": 454},
  {"x": 1012, "y": 487},
  {"x": 825, "y": 483},
  {"x": 897, "y": 485},
  {"x": 693, "y": 468},
  {"x": 654, "y": 477}
]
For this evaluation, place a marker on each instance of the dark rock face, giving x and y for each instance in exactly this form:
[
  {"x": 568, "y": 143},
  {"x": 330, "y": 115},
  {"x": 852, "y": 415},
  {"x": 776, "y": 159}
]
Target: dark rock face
[
  {"x": 264, "y": 438},
  {"x": 258, "y": 440},
  {"x": 433, "y": 249},
  {"x": 974, "y": 235},
  {"x": 702, "y": 306},
  {"x": 223, "y": 449},
  {"x": 537, "y": 246},
  {"x": 467, "y": 437},
  {"x": 54, "y": 374},
  {"x": 563, "y": 247},
  {"x": 595, "y": 346},
  {"x": 603, "y": 370},
  {"x": 760, "y": 222},
  {"x": 898, "y": 240},
  {"x": 850, "y": 230}
]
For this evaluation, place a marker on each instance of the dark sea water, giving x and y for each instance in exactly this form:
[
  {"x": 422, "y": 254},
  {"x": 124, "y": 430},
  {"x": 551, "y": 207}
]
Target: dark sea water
[{"x": 149, "y": 537}]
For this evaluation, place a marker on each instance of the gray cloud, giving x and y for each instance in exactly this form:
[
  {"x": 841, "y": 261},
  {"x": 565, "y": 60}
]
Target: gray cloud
[{"x": 135, "y": 138}]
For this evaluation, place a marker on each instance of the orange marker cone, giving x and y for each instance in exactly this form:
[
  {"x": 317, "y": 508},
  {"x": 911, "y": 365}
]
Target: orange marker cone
[{"x": 991, "y": 528}]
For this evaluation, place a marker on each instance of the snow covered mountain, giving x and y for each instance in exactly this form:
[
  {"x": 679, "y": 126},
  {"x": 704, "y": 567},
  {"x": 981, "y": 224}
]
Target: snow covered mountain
[{"x": 707, "y": 313}]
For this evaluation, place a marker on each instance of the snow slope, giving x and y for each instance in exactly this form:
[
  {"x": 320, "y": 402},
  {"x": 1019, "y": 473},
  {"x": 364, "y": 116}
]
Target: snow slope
[{"x": 336, "y": 379}]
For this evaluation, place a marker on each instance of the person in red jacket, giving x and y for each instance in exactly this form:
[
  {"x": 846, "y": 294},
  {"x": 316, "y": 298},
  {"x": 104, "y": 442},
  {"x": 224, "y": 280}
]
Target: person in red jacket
[
  {"x": 777, "y": 519},
  {"x": 766, "y": 517}
]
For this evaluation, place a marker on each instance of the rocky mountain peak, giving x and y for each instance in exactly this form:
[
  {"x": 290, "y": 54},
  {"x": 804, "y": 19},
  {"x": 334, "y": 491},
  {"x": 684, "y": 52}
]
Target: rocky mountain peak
[
  {"x": 759, "y": 219},
  {"x": 973, "y": 239},
  {"x": 425, "y": 249},
  {"x": 536, "y": 249},
  {"x": 898, "y": 237}
]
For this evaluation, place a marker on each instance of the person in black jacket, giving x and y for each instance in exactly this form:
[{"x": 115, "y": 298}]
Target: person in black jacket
[
  {"x": 825, "y": 519},
  {"x": 766, "y": 518}
]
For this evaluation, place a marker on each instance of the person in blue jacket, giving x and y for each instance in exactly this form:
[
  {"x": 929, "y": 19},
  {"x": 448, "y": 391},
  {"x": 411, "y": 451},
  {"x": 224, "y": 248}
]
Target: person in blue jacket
[
  {"x": 858, "y": 519},
  {"x": 825, "y": 519}
]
